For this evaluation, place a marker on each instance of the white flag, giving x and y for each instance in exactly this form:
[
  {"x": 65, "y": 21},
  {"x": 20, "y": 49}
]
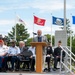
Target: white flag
[{"x": 20, "y": 20}]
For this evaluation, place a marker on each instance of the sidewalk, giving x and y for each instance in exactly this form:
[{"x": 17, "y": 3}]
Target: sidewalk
[{"x": 26, "y": 74}]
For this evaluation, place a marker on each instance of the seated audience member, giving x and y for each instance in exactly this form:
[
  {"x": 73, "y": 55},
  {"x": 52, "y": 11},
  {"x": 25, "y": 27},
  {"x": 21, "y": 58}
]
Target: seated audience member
[
  {"x": 3, "y": 53},
  {"x": 21, "y": 45},
  {"x": 32, "y": 49},
  {"x": 26, "y": 55},
  {"x": 12, "y": 55},
  {"x": 57, "y": 55},
  {"x": 49, "y": 53}
]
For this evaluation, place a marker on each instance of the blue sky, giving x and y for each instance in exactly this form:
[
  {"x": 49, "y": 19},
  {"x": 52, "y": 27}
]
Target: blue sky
[{"x": 41, "y": 8}]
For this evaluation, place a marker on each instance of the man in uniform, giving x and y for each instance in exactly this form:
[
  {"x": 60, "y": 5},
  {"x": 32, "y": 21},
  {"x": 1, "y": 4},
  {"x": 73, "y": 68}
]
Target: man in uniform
[{"x": 57, "y": 55}]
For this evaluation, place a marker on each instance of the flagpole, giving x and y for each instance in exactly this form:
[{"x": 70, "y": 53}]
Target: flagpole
[
  {"x": 51, "y": 31},
  {"x": 66, "y": 35},
  {"x": 70, "y": 45},
  {"x": 64, "y": 14},
  {"x": 33, "y": 25},
  {"x": 15, "y": 26},
  {"x": 70, "y": 48}
]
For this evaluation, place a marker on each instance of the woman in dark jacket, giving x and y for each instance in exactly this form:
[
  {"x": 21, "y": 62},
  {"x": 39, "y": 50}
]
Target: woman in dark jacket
[{"x": 49, "y": 53}]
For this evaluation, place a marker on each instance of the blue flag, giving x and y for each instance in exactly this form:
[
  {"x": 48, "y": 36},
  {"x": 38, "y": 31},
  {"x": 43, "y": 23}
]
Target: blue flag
[
  {"x": 73, "y": 17},
  {"x": 58, "y": 21}
]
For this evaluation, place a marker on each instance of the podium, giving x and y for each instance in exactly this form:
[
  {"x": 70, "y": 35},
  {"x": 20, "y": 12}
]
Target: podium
[{"x": 39, "y": 55}]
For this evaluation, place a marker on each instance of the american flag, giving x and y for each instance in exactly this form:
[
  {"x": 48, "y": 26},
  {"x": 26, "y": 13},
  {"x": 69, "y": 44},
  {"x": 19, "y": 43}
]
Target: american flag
[{"x": 20, "y": 20}]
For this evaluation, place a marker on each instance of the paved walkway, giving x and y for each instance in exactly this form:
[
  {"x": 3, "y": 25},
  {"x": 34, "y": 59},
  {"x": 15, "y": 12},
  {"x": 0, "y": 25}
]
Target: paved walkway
[
  {"x": 29, "y": 74},
  {"x": 33, "y": 73},
  {"x": 24, "y": 74}
]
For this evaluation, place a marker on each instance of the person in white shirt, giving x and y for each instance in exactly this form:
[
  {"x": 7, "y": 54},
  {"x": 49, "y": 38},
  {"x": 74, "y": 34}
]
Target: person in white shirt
[
  {"x": 3, "y": 52},
  {"x": 32, "y": 49},
  {"x": 12, "y": 54},
  {"x": 32, "y": 58}
]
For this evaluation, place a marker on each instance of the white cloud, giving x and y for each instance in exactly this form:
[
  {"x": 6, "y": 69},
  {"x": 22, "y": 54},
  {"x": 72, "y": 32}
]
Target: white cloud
[
  {"x": 42, "y": 5},
  {"x": 6, "y": 26},
  {"x": 7, "y": 22},
  {"x": 12, "y": 8},
  {"x": 50, "y": 5}
]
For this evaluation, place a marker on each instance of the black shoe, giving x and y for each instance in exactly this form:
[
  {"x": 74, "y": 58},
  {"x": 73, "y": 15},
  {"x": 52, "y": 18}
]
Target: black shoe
[
  {"x": 16, "y": 69},
  {"x": 49, "y": 70},
  {"x": 54, "y": 69},
  {"x": 3, "y": 70},
  {"x": 0, "y": 70},
  {"x": 12, "y": 70},
  {"x": 33, "y": 70},
  {"x": 45, "y": 70},
  {"x": 62, "y": 69}
]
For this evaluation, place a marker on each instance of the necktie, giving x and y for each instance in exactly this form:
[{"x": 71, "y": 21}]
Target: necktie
[{"x": 39, "y": 39}]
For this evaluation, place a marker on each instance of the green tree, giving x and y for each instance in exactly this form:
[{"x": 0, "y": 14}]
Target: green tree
[
  {"x": 67, "y": 27},
  {"x": 73, "y": 44},
  {"x": 49, "y": 38},
  {"x": 21, "y": 33},
  {"x": 29, "y": 40}
]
